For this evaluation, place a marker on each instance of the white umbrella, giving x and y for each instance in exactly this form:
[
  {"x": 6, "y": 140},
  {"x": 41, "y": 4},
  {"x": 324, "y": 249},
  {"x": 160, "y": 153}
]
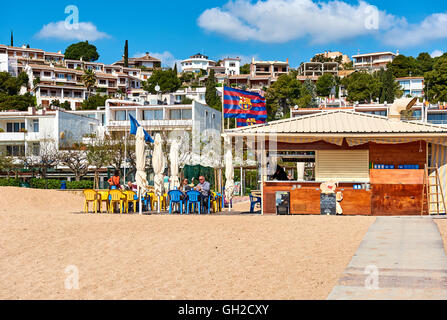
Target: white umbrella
[
  {"x": 158, "y": 165},
  {"x": 229, "y": 172},
  {"x": 174, "y": 157},
  {"x": 140, "y": 156}
]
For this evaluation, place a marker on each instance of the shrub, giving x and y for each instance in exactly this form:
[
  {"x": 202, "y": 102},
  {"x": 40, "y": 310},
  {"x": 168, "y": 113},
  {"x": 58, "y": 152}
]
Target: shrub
[
  {"x": 10, "y": 182},
  {"x": 45, "y": 183},
  {"x": 83, "y": 184}
]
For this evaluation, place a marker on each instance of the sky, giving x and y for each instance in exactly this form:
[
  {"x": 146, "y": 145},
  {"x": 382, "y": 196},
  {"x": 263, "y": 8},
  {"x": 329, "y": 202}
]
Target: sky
[{"x": 264, "y": 29}]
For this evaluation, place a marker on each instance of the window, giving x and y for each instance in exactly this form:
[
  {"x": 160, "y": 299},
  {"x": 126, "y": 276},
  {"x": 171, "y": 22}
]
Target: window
[
  {"x": 36, "y": 149},
  {"x": 60, "y": 76},
  {"x": 181, "y": 114},
  {"x": 15, "y": 126},
  {"x": 120, "y": 115},
  {"x": 15, "y": 151},
  {"x": 36, "y": 125},
  {"x": 153, "y": 114}
]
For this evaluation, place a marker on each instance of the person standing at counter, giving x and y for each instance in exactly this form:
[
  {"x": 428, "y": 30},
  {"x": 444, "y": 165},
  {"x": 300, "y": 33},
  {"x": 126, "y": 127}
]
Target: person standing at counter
[{"x": 280, "y": 174}]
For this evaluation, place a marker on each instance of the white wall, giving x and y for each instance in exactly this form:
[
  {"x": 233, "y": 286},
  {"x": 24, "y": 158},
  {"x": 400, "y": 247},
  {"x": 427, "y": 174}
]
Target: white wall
[{"x": 3, "y": 62}]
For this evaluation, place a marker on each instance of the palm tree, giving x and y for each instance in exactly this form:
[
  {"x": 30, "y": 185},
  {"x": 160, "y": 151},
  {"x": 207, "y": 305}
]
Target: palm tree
[{"x": 89, "y": 79}]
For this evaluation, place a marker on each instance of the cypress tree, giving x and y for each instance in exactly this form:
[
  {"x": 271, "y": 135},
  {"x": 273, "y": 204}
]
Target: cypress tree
[
  {"x": 12, "y": 39},
  {"x": 175, "y": 68},
  {"x": 211, "y": 97},
  {"x": 126, "y": 54}
]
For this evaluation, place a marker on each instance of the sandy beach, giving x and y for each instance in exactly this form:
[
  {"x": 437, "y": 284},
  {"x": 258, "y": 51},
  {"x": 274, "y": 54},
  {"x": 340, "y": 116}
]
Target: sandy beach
[
  {"x": 167, "y": 257},
  {"x": 442, "y": 225}
]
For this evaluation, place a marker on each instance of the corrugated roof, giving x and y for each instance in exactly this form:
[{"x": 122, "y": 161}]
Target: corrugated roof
[{"x": 341, "y": 122}]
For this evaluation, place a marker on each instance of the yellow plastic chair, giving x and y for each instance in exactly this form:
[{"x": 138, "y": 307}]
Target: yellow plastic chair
[
  {"x": 103, "y": 196},
  {"x": 216, "y": 202},
  {"x": 91, "y": 196},
  {"x": 117, "y": 197},
  {"x": 154, "y": 199},
  {"x": 131, "y": 198}
]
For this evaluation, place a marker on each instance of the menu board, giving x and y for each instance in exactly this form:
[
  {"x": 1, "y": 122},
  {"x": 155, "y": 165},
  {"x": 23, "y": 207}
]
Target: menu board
[{"x": 328, "y": 204}]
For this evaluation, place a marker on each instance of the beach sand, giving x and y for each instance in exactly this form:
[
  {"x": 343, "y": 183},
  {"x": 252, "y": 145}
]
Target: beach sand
[
  {"x": 166, "y": 257},
  {"x": 442, "y": 225}
]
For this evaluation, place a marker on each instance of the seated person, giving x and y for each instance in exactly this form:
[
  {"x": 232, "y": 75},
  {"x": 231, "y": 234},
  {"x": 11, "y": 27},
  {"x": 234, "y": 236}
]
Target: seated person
[
  {"x": 204, "y": 188},
  {"x": 132, "y": 186},
  {"x": 115, "y": 180},
  {"x": 184, "y": 186}
]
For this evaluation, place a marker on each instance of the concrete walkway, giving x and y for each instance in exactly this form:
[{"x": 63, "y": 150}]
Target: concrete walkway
[{"x": 399, "y": 258}]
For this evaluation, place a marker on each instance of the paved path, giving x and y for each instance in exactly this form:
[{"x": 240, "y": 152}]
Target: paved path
[{"x": 399, "y": 258}]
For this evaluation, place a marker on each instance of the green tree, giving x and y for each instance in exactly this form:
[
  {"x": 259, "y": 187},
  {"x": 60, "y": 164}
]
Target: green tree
[
  {"x": 425, "y": 62},
  {"x": 388, "y": 88},
  {"x": 12, "y": 39},
  {"x": 175, "y": 68},
  {"x": 211, "y": 97},
  {"x": 282, "y": 95},
  {"x": 245, "y": 69},
  {"x": 166, "y": 79},
  {"x": 93, "y": 102},
  {"x": 99, "y": 156},
  {"x": 89, "y": 80},
  {"x": 361, "y": 87},
  {"x": 84, "y": 50},
  {"x": 325, "y": 84},
  {"x": 403, "y": 66},
  {"x": 126, "y": 54},
  {"x": 436, "y": 81},
  {"x": 308, "y": 94}
]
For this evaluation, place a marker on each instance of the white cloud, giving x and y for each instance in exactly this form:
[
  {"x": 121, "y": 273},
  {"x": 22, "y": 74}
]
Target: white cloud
[
  {"x": 58, "y": 30},
  {"x": 432, "y": 28},
  {"x": 167, "y": 58},
  {"x": 279, "y": 21},
  {"x": 436, "y": 53}
]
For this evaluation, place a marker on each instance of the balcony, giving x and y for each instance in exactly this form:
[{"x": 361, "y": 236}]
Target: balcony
[
  {"x": 153, "y": 124},
  {"x": 12, "y": 136}
]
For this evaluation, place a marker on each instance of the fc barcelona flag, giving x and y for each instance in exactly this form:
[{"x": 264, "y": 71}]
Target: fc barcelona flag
[
  {"x": 248, "y": 122},
  {"x": 244, "y": 105}
]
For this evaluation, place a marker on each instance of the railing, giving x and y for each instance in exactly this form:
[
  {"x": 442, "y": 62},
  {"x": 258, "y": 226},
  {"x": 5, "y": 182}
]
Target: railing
[
  {"x": 154, "y": 123},
  {"x": 12, "y": 136}
]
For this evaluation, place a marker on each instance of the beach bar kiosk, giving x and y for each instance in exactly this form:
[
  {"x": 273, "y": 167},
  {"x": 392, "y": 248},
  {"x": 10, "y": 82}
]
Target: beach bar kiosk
[{"x": 382, "y": 165}]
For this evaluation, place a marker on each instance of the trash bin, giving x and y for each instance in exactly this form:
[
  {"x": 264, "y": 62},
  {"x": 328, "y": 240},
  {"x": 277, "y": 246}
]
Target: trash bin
[{"x": 63, "y": 185}]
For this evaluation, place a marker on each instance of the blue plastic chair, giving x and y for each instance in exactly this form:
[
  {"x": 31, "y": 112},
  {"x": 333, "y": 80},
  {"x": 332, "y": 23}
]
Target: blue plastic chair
[
  {"x": 175, "y": 196},
  {"x": 194, "y": 199},
  {"x": 253, "y": 202}
]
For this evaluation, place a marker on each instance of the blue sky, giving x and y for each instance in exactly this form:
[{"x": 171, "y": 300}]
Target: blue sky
[{"x": 267, "y": 29}]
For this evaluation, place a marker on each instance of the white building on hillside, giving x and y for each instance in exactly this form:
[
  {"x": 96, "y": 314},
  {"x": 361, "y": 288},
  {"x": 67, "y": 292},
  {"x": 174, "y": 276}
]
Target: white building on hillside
[
  {"x": 373, "y": 61},
  {"x": 232, "y": 66},
  {"x": 412, "y": 86},
  {"x": 196, "y": 63}
]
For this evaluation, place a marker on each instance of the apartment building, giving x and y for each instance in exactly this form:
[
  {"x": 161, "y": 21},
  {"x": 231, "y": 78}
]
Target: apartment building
[
  {"x": 196, "y": 63},
  {"x": 412, "y": 86},
  {"x": 317, "y": 69},
  {"x": 24, "y": 133},
  {"x": 373, "y": 61},
  {"x": 272, "y": 69},
  {"x": 145, "y": 62}
]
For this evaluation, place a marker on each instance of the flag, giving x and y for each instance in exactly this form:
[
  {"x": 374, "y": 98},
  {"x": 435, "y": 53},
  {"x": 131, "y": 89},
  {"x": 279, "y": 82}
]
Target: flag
[
  {"x": 248, "y": 122},
  {"x": 134, "y": 126},
  {"x": 244, "y": 104}
]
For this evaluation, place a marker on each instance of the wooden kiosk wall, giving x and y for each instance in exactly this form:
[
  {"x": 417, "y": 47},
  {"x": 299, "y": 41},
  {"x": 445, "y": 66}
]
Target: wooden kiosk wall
[{"x": 393, "y": 192}]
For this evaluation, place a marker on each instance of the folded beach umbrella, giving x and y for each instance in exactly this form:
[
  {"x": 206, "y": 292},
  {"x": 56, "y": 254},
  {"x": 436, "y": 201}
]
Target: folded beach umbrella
[
  {"x": 229, "y": 172},
  {"x": 140, "y": 156},
  {"x": 174, "y": 157},
  {"x": 159, "y": 166}
]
